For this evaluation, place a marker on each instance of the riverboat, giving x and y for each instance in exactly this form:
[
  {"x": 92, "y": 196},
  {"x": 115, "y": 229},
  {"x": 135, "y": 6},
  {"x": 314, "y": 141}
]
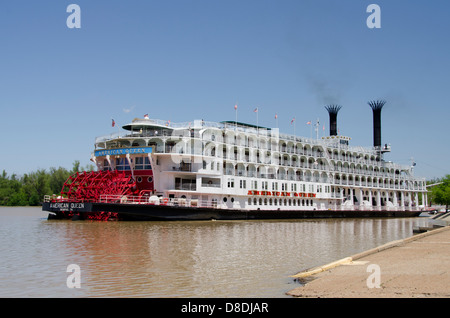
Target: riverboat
[{"x": 199, "y": 170}]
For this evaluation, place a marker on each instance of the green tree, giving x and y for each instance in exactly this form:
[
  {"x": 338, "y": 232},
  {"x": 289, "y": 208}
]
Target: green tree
[
  {"x": 36, "y": 185},
  {"x": 76, "y": 166},
  {"x": 441, "y": 193},
  {"x": 18, "y": 198},
  {"x": 57, "y": 178},
  {"x": 31, "y": 188}
]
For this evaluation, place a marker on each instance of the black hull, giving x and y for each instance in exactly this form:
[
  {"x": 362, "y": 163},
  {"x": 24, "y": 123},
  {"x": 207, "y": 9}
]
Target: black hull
[{"x": 144, "y": 212}]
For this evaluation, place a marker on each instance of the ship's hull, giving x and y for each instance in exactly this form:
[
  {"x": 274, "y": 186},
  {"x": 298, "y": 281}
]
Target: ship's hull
[{"x": 145, "y": 212}]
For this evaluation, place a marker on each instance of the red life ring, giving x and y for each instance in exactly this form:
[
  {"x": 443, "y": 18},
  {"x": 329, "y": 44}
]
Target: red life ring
[{"x": 165, "y": 201}]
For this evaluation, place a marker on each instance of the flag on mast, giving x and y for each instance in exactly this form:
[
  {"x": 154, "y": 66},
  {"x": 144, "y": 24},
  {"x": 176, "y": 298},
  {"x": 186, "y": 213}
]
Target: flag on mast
[
  {"x": 293, "y": 119},
  {"x": 308, "y": 123},
  {"x": 113, "y": 122},
  {"x": 256, "y": 110}
]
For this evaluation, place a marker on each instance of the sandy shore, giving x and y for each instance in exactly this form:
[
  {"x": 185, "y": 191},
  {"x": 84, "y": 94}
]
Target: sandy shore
[{"x": 418, "y": 266}]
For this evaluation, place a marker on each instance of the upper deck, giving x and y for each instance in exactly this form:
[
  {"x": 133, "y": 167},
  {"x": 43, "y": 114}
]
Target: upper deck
[{"x": 163, "y": 136}]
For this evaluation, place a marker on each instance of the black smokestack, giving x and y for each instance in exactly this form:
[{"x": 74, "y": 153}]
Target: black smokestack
[
  {"x": 333, "y": 110},
  {"x": 376, "y": 108}
]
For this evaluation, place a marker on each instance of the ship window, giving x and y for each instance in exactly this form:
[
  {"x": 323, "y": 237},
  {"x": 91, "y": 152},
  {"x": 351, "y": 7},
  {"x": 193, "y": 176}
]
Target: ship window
[
  {"x": 139, "y": 179},
  {"x": 142, "y": 163},
  {"x": 249, "y": 201},
  {"x": 254, "y": 201},
  {"x": 265, "y": 201},
  {"x": 275, "y": 201},
  {"x": 139, "y": 163},
  {"x": 225, "y": 199},
  {"x": 149, "y": 179},
  {"x": 122, "y": 164}
]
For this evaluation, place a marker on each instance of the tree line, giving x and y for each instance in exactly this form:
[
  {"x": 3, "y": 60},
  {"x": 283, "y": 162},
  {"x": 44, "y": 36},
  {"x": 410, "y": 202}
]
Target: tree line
[{"x": 29, "y": 189}]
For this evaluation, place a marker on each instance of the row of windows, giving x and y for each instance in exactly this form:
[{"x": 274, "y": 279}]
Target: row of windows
[
  {"x": 280, "y": 202},
  {"x": 140, "y": 179},
  {"x": 294, "y": 187},
  {"x": 122, "y": 164},
  {"x": 276, "y": 202}
]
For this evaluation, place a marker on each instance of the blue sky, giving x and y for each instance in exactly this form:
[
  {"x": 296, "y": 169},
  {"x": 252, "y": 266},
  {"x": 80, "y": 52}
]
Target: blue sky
[{"x": 182, "y": 60}]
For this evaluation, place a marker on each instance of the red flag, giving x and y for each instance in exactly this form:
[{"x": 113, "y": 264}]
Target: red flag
[
  {"x": 113, "y": 123},
  {"x": 308, "y": 123},
  {"x": 293, "y": 119},
  {"x": 276, "y": 116},
  {"x": 256, "y": 110},
  {"x": 235, "y": 107}
]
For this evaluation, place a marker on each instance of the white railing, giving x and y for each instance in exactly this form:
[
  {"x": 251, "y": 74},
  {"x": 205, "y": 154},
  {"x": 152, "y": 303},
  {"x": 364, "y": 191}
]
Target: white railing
[{"x": 128, "y": 199}]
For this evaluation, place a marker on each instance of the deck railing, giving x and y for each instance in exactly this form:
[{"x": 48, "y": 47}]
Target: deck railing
[{"x": 157, "y": 201}]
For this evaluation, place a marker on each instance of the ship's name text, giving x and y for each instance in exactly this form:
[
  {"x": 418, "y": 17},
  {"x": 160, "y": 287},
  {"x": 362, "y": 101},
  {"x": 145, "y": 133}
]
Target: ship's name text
[
  {"x": 282, "y": 194},
  {"x": 66, "y": 205}
]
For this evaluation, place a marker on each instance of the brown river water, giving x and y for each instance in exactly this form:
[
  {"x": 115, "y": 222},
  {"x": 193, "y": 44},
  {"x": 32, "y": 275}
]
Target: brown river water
[{"x": 227, "y": 259}]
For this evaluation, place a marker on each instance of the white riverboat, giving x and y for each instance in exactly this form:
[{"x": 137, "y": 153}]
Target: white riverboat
[{"x": 231, "y": 170}]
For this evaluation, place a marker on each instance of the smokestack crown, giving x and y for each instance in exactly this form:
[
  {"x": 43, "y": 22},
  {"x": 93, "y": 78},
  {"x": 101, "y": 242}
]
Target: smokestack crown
[
  {"x": 377, "y": 105},
  {"x": 333, "y": 109}
]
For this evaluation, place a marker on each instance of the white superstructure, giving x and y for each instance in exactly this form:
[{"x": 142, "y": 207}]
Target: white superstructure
[{"x": 232, "y": 165}]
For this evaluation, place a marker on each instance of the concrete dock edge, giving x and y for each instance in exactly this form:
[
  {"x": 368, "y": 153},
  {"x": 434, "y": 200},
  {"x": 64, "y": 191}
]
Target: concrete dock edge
[
  {"x": 414, "y": 267},
  {"x": 347, "y": 260}
]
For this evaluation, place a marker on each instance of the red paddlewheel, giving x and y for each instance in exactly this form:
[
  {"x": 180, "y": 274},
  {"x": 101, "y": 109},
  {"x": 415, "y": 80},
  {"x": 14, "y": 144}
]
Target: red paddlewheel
[
  {"x": 89, "y": 186},
  {"x": 102, "y": 216}
]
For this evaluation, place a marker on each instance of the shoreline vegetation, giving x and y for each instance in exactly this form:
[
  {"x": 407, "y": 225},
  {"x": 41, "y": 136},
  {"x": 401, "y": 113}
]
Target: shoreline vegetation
[{"x": 30, "y": 189}]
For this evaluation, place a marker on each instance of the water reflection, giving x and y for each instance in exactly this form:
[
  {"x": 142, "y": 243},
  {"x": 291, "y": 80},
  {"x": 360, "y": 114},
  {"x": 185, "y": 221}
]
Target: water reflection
[{"x": 177, "y": 259}]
